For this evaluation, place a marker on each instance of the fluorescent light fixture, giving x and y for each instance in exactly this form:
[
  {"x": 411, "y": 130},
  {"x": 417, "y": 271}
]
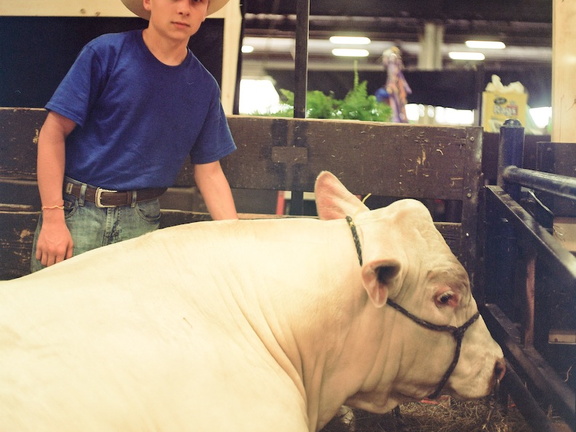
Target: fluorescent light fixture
[
  {"x": 350, "y": 40},
  {"x": 349, "y": 52},
  {"x": 247, "y": 49},
  {"x": 475, "y": 56},
  {"x": 477, "y": 44}
]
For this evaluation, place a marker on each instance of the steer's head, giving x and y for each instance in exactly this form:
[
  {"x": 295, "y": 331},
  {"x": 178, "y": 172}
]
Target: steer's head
[{"x": 421, "y": 294}]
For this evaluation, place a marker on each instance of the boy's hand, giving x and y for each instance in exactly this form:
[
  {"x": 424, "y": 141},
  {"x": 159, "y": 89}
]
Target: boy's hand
[{"x": 55, "y": 241}]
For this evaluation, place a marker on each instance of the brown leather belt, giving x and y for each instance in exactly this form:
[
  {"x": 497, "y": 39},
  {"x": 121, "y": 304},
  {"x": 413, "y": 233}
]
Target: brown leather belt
[{"x": 110, "y": 198}]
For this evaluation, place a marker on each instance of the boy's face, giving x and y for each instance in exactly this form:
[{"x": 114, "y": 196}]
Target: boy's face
[{"x": 177, "y": 19}]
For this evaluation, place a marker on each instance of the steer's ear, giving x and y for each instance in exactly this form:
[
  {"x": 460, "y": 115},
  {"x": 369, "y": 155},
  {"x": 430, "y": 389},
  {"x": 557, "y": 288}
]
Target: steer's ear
[
  {"x": 333, "y": 200},
  {"x": 379, "y": 278}
]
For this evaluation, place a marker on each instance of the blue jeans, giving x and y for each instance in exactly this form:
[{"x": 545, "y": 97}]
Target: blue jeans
[{"x": 92, "y": 227}]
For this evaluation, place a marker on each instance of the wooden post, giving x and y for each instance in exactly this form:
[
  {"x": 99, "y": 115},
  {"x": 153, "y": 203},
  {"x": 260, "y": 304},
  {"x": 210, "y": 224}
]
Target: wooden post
[{"x": 563, "y": 71}]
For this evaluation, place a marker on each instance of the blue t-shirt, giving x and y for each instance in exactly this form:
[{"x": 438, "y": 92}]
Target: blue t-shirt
[{"x": 137, "y": 118}]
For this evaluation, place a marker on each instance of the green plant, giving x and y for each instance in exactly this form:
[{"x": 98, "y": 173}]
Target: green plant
[{"x": 357, "y": 105}]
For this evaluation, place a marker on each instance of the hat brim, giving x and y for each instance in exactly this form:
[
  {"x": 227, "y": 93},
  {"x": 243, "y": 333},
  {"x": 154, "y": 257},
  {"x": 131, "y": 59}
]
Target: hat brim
[{"x": 137, "y": 7}]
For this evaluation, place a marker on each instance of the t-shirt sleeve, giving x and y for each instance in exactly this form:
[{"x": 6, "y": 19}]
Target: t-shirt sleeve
[
  {"x": 215, "y": 140},
  {"x": 79, "y": 88}
]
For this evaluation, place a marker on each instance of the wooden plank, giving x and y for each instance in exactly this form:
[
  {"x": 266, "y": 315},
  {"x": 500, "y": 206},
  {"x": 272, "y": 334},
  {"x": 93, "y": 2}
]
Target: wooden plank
[
  {"x": 19, "y": 129},
  {"x": 21, "y": 193},
  {"x": 16, "y": 236},
  {"x": 452, "y": 233},
  {"x": 387, "y": 160},
  {"x": 287, "y": 154},
  {"x": 383, "y": 159}
]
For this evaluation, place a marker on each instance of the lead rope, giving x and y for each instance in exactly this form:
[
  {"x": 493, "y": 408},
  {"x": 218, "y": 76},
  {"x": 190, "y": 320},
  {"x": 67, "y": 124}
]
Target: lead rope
[{"x": 456, "y": 332}]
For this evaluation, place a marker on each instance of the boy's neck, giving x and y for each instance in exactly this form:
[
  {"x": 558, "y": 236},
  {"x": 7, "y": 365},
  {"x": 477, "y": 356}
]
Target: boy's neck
[{"x": 166, "y": 51}]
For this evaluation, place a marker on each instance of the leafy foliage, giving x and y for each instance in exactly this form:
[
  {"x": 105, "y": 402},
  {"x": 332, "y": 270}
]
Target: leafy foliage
[{"x": 357, "y": 105}]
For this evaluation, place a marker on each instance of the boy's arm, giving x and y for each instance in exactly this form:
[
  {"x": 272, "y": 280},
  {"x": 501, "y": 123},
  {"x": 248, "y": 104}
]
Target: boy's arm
[
  {"x": 54, "y": 242},
  {"x": 215, "y": 190}
]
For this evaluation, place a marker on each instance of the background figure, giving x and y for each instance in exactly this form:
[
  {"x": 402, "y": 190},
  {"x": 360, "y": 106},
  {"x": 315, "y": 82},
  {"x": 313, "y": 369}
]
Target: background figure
[{"x": 396, "y": 87}]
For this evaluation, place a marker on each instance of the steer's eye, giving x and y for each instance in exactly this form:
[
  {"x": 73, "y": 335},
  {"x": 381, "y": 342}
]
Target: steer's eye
[{"x": 447, "y": 298}]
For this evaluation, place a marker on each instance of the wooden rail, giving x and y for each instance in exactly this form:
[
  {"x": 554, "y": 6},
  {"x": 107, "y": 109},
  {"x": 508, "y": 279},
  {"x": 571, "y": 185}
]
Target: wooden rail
[{"x": 386, "y": 160}]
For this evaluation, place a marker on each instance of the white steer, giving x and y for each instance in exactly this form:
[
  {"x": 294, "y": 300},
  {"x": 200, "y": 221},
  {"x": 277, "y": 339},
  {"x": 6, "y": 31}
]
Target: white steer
[{"x": 255, "y": 326}]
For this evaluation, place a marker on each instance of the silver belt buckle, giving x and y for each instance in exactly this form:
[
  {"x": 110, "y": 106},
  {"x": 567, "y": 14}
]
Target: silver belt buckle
[{"x": 98, "y": 198}]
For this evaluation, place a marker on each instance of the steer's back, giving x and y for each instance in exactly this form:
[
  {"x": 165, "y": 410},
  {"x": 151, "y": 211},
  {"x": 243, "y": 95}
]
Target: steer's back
[{"x": 156, "y": 327}]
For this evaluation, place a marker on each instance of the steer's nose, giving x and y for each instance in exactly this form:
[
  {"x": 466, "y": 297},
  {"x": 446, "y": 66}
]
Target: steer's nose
[{"x": 500, "y": 369}]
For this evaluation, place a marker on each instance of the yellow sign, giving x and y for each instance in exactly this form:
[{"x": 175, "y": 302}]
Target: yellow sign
[{"x": 499, "y": 107}]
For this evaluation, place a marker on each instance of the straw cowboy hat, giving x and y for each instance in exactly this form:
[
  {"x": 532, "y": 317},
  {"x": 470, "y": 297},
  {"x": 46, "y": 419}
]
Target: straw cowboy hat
[{"x": 136, "y": 7}]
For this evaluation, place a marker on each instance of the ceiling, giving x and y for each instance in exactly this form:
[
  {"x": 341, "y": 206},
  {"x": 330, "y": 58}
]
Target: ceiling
[{"x": 525, "y": 26}]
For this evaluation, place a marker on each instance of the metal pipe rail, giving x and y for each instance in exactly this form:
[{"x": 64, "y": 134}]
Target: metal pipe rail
[
  {"x": 555, "y": 184},
  {"x": 526, "y": 271},
  {"x": 511, "y": 174},
  {"x": 517, "y": 341}
]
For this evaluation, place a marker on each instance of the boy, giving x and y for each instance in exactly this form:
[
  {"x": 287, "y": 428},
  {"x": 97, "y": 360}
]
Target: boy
[{"x": 131, "y": 109}]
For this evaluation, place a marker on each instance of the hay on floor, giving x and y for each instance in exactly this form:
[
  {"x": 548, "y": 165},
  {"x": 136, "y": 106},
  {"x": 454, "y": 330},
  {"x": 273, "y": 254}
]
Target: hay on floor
[{"x": 445, "y": 415}]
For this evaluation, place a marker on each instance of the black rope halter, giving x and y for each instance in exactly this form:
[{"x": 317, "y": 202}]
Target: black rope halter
[{"x": 456, "y": 332}]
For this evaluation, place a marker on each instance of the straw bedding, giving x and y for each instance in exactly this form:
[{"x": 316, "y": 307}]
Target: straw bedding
[{"x": 444, "y": 415}]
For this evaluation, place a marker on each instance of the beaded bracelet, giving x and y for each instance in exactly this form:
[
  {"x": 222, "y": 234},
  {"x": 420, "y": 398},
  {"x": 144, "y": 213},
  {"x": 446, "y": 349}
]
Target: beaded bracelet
[{"x": 54, "y": 207}]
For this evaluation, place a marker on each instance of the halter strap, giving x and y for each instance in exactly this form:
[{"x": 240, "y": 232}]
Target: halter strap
[
  {"x": 356, "y": 238},
  {"x": 456, "y": 332}
]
